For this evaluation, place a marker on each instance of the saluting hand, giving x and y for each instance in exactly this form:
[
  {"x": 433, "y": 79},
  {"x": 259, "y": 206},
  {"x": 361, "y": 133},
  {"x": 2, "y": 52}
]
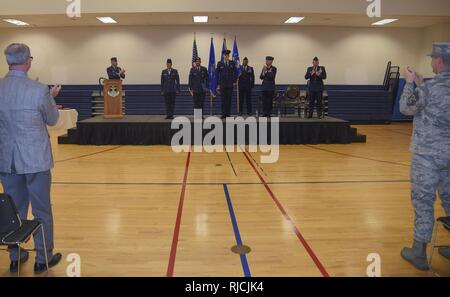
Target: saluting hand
[{"x": 54, "y": 91}]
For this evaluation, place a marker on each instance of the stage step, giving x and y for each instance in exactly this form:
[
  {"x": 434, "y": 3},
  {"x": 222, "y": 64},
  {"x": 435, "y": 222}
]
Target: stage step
[
  {"x": 72, "y": 133},
  {"x": 65, "y": 139},
  {"x": 360, "y": 138}
]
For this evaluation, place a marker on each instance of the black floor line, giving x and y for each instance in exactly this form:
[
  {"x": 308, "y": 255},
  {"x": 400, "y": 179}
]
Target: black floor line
[
  {"x": 357, "y": 157},
  {"x": 88, "y": 155},
  {"x": 231, "y": 164}
]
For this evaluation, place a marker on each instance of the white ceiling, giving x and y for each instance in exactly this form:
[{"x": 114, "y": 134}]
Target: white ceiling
[
  {"x": 269, "y": 19},
  {"x": 394, "y": 7}
]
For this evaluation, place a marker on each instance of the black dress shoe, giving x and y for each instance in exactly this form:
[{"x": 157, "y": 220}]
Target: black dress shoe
[
  {"x": 169, "y": 118},
  {"x": 41, "y": 267},
  {"x": 14, "y": 266}
]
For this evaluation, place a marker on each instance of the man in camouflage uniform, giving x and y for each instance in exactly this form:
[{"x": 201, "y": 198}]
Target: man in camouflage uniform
[{"x": 429, "y": 103}]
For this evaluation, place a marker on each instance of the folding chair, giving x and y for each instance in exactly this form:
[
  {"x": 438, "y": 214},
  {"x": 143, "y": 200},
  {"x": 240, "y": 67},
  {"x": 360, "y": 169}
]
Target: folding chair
[
  {"x": 445, "y": 222},
  {"x": 13, "y": 231}
]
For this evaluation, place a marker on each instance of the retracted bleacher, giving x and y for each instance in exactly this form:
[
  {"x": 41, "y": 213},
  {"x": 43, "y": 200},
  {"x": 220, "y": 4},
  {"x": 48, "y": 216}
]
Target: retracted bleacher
[{"x": 365, "y": 104}]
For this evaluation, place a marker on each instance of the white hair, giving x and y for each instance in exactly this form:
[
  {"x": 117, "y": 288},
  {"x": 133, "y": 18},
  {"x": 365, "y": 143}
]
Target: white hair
[{"x": 17, "y": 54}]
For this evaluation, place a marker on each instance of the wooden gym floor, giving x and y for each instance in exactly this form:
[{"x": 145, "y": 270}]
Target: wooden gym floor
[{"x": 320, "y": 210}]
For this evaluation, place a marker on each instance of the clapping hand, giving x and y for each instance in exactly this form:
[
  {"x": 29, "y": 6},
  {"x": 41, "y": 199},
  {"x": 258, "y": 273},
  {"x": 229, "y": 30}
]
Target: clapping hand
[
  {"x": 412, "y": 76},
  {"x": 54, "y": 91},
  {"x": 419, "y": 79}
]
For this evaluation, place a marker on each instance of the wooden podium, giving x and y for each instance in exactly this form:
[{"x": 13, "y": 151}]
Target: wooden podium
[{"x": 112, "y": 95}]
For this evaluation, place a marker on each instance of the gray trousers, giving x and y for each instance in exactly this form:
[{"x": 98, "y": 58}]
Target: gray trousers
[
  {"x": 35, "y": 189},
  {"x": 429, "y": 174}
]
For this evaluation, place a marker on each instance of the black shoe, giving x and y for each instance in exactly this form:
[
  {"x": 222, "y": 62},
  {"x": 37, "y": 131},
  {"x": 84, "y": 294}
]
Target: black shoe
[
  {"x": 310, "y": 116},
  {"x": 240, "y": 114},
  {"x": 14, "y": 266},
  {"x": 223, "y": 117},
  {"x": 40, "y": 268},
  {"x": 169, "y": 117},
  {"x": 249, "y": 114}
]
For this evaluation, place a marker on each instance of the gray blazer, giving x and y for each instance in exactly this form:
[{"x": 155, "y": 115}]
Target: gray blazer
[{"x": 26, "y": 108}]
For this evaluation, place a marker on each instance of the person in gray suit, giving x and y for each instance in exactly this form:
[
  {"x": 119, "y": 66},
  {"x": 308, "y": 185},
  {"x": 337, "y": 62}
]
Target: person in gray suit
[{"x": 26, "y": 108}]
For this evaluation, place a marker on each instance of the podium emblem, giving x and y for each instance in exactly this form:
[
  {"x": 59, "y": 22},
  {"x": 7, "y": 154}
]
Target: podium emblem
[{"x": 113, "y": 91}]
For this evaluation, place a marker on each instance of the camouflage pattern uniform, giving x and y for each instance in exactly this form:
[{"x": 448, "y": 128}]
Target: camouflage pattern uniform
[{"x": 430, "y": 166}]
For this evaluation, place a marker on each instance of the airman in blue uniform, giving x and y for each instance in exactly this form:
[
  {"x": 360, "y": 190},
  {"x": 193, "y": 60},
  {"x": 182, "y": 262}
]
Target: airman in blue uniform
[
  {"x": 170, "y": 86},
  {"x": 268, "y": 76},
  {"x": 115, "y": 72},
  {"x": 246, "y": 84},
  {"x": 198, "y": 83},
  {"x": 226, "y": 78},
  {"x": 315, "y": 74}
]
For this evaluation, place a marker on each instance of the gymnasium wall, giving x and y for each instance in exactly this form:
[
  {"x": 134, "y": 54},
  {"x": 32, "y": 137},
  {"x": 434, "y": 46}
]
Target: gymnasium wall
[{"x": 80, "y": 55}]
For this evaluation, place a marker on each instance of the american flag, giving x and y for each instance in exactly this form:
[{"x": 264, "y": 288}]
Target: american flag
[
  {"x": 224, "y": 48},
  {"x": 194, "y": 52}
]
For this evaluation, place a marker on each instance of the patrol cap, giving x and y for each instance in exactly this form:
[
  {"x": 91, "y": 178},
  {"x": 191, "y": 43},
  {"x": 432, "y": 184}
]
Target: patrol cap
[
  {"x": 169, "y": 61},
  {"x": 226, "y": 52},
  {"x": 441, "y": 49},
  {"x": 270, "y": 58}
]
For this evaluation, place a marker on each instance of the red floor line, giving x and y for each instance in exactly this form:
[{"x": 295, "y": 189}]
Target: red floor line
[
  {"x": 288, "y": 218},
  {"x": 176, "y": 231}
]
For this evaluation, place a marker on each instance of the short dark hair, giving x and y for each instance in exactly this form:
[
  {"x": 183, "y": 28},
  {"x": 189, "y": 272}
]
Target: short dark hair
[
  {"x": 316, "y": 59},
  {"x": 114, "y": 59}
]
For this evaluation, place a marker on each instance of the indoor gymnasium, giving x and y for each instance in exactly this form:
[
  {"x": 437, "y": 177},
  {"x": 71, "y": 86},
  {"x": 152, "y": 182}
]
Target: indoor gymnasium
[{"x": 225, "y": 139}]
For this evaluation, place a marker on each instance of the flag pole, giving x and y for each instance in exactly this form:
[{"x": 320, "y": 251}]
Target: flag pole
[
  {"x": 210, "y": 103},
  {"x": 237, "y": 87}
]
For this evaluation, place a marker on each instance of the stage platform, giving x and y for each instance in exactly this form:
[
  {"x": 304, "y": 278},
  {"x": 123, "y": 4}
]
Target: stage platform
[{"x": 156, "y": 130}]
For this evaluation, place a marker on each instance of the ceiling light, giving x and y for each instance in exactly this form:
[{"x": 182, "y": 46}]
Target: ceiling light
[
  {"x": 200, "y": 19},
  {"x": 384, "y": 22},
  {"x": 16, "y": 22},
  {"x": 294, "y": 20},
  {"x": 107, "y": 20}
]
